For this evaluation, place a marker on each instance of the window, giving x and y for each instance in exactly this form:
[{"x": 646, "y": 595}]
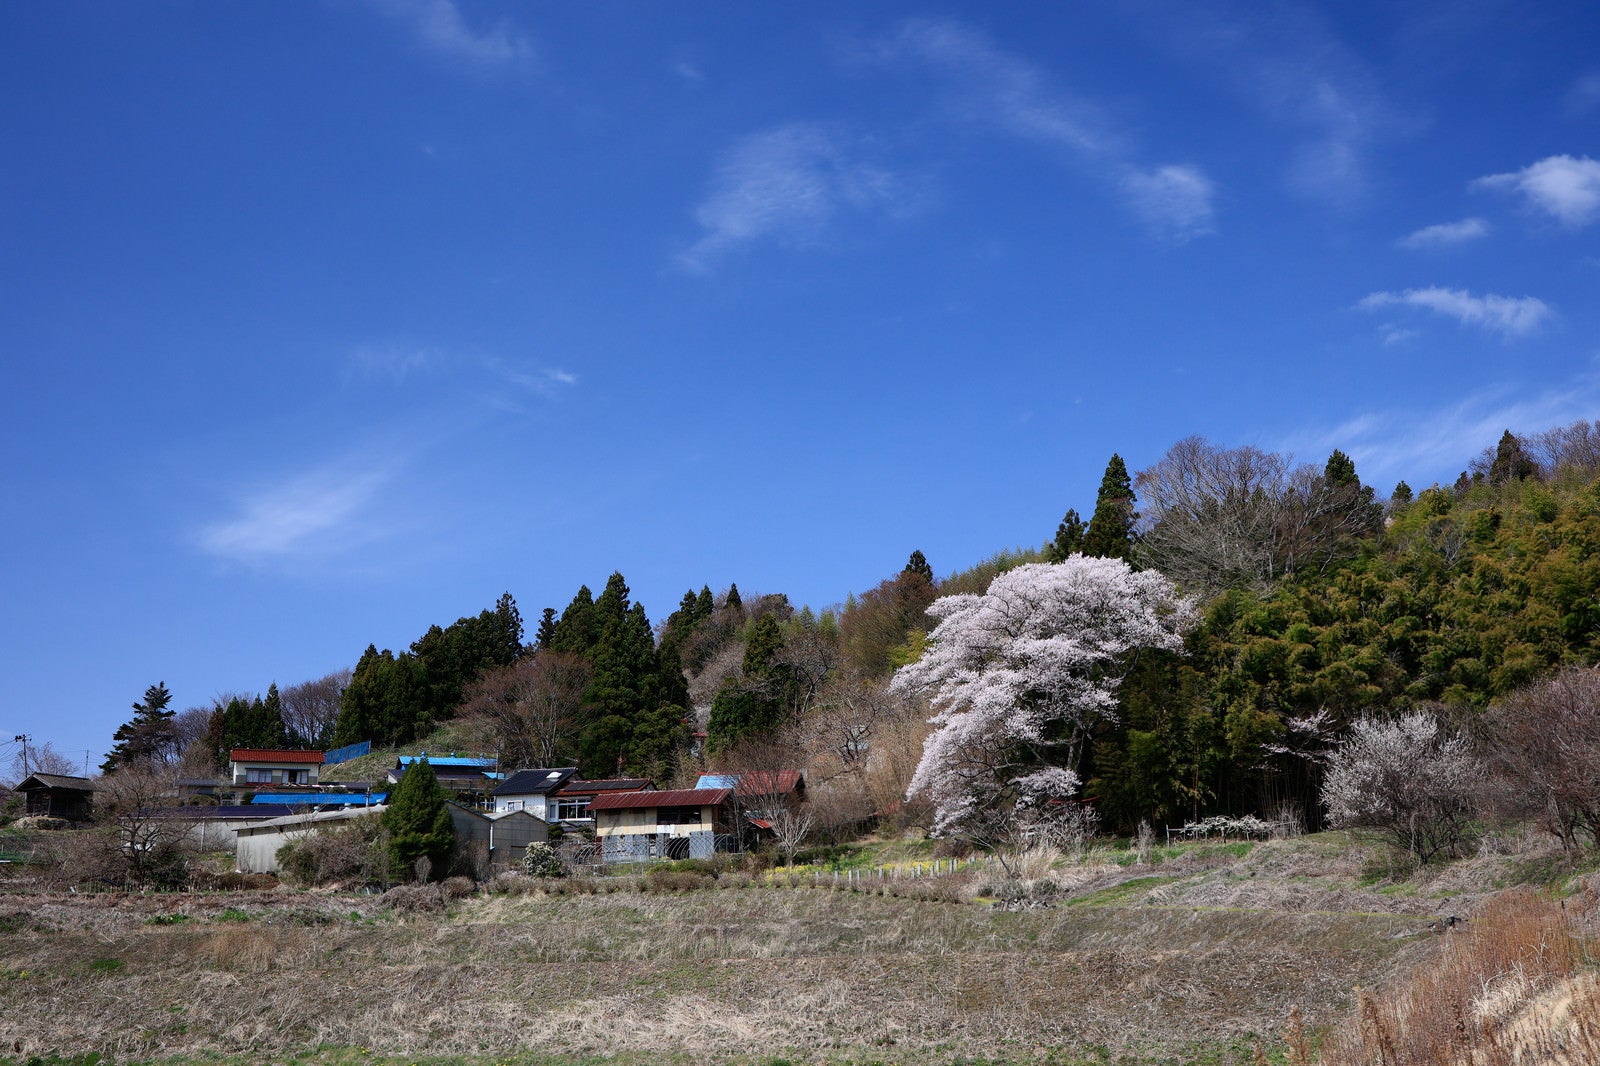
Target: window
[
  {"x": 678, "y": 816},
  {"x": 257, "y": 776},
  {"x": 570, "y": 809}
]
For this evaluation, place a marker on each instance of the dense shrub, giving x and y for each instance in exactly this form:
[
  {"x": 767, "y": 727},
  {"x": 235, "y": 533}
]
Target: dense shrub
[{"x": 353, "y": 852}]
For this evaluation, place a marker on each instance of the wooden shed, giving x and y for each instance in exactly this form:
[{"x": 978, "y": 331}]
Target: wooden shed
[{"x": 58, "y": 796}]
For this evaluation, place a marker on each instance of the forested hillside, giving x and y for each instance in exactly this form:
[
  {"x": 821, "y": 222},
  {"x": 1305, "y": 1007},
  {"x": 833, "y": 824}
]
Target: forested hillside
[{"x": 1310, "y": 601}]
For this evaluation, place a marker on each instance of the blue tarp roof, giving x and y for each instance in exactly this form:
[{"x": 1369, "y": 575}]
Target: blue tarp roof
[
  {"x": 448, "y": 760},
  {"x": 321, "y": 799}
]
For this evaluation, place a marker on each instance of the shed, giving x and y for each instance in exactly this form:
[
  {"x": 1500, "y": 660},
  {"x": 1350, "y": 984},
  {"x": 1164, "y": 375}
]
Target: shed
[
  {"x": 504, "y": 834},
  {"x": 256, "y": 846},
  {"x": 58, "y": 796}
]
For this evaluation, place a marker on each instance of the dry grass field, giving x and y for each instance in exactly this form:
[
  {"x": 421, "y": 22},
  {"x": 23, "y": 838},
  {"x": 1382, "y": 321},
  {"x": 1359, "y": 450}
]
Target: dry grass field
[{"x": 1192, "y": 960}]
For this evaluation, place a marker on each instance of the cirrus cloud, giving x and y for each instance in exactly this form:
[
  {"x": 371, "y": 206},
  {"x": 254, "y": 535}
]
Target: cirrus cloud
[
  {"x": 787, "y": 184},
  {"x": 993, "y": 89},
  {"x": 1445, "y": 234},
  {"x": 1511, "y": 316}
]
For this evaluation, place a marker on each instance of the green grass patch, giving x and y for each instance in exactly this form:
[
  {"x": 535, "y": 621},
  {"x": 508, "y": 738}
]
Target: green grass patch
[
  {"x": 1117, "y": 895},
  {"x": 232, "y": 914}
]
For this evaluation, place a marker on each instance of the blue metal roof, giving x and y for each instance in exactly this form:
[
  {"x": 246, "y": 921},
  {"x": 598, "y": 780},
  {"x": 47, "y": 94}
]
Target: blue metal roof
[
  {"x": 322, "y": 799},
  {"x": 448, "y": 760},
  {"x": 717, "y": 781}
]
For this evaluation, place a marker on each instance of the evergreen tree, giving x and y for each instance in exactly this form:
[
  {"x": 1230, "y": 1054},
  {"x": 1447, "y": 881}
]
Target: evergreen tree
[
  {"x": 577, "y": 630},
  {"x": 1068, "y": 540},
  {"x": 656, "y": 739},
  {"x": 386, "y": 702},
  {"x": 1340, "y": 470},
  {"x": 1511, "y": 461},
  {"x": 251, "y": 723},
  {"x": 273, "y": 730},
  {"x": 547, "y": 628},
  {"x": 705, "y": 605},
  {"x": 1402, "y": 495},
  {"x": 1110, "y": 532},
  {"x": 148, "y": 736},
  {"x": 733, "y": 602},
  {"x": 418, "y": 823},
  {"x": 759, "y": 701},
  {"x": 918, "y": 564}
]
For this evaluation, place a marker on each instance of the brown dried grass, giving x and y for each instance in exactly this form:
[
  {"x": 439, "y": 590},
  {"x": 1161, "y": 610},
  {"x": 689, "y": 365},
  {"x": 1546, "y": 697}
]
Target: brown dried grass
[
  {"x": 1513, "y": 987},
  {"x": 739, "y": 970}
]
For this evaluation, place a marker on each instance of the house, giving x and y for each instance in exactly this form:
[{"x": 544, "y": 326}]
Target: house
[
  {"x": 571, "y": 802},
  {"x": 256, "y": 846},
  {"x": 685, "y": 823},
  {"x": 467, "y": 777},
  {"x": 501, "y": 837},
  {"x": 530, "y": 790},
  {"x": 274, "y": 766},
  {"x": 58, "y": 796},
  {"x": 762, "y": 794}
]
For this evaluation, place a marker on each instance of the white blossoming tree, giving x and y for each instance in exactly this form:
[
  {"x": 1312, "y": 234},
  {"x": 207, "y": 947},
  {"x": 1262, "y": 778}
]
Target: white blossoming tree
[
  {"x": 1409, "y": 778},
  {"x": 1020, "y": 675}
]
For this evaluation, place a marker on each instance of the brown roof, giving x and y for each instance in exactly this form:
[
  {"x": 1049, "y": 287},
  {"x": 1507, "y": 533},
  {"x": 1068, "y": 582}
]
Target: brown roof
[
  {"x": 81, "y": 784},
  {"x": 676, "y": 797},
  {"x": 768, "y": 782},
  {"x": 275, "y": 755},
  {"x": 577, "y": 787}
]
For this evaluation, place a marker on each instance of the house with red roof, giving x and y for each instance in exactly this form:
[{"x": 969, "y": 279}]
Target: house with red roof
[
  {"x": 680, "y": 823},
  {"x": 274, "y": 766}
]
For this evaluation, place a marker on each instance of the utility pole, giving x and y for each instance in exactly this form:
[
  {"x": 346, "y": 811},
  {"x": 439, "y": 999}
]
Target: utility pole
[{"x": 23, "y": 739}]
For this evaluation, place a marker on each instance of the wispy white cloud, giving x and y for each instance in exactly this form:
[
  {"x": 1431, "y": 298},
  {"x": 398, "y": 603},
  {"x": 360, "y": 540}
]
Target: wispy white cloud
[
  {"x": 688, "y": 71},
  {"x": 1177, "y": 200},
  {"x": 1445, "y": 234},
  {"x": 1422, "y": 445},
  {"x": 1287, "y": 62},
  {"x": 1007, "y": 94},
  {"x": 483, "y": 373},
  {"x": 1001, "y": 89},
  {"x": 439, "y": 26},
  {"x": 1564, "y": 187},
  {"x": 392, "y": 361},
  {"x": 1512, "y": 316},
  {"x": 539, "y": 380},
  {"x": 1393, "y": 334},
  {"x": 320, "y": 512},
  {"x": 787, "y": 185},
  {"x": 1584, "y": 96}
]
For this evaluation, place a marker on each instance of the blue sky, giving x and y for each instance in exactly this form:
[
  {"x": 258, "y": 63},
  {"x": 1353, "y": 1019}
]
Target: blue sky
[{"x": 323, "y": 322}]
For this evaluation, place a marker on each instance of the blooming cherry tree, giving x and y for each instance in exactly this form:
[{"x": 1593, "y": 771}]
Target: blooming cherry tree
[{"x": 1020, "y": 675}]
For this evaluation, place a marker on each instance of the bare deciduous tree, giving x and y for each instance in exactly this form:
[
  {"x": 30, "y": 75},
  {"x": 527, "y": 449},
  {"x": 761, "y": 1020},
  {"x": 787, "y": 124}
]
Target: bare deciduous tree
[
  {"x": 770, "y": 789},
  {"x": 836, "y": 731},
  {"x": 530, "y": 710},
  {"x": 1220, "y": 518},
  {"x": 311, "y": 707},
  {"x": 40, "y": 759},
  {"x": 1544, "y": 746},
  {"x": 135, "y": 842}
]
